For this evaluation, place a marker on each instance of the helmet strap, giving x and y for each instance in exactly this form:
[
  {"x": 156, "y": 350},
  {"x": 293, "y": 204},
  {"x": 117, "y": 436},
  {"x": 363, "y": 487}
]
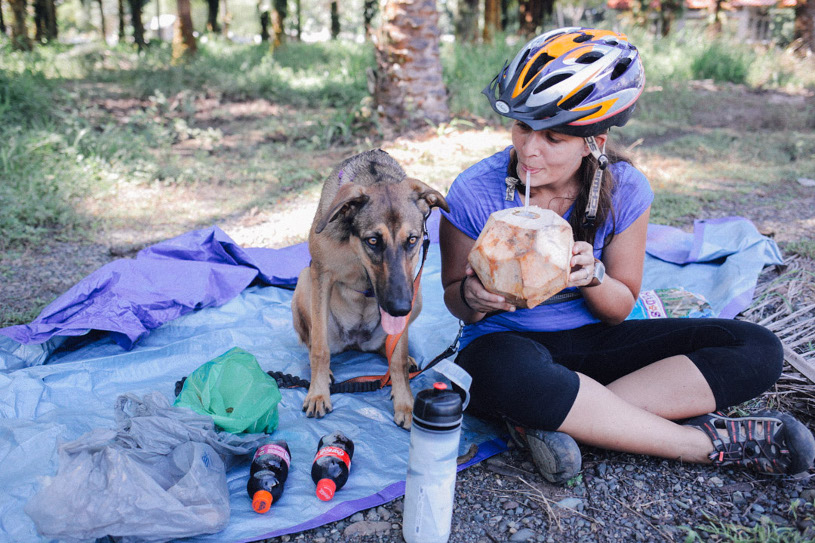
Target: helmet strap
[{"x": 594, "y": 192}]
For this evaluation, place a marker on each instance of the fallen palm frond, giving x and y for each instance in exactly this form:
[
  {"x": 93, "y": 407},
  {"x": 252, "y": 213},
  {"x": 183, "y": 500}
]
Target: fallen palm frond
[{"x": 784, "y": 302}]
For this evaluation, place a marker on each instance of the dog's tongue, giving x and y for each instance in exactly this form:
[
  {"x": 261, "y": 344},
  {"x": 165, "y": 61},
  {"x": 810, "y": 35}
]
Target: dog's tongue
[{"x": 392, "y": 325}]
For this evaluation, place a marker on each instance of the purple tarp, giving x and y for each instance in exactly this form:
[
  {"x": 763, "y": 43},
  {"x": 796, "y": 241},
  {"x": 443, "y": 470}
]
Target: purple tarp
[{"x": 130, "y": 297}]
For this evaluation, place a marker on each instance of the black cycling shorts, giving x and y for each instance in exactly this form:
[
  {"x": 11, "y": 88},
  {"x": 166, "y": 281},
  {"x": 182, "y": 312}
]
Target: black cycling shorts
[{"x": 530, "y": 377}]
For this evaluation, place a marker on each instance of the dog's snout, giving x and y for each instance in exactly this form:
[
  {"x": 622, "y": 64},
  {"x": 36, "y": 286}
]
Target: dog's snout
[{"x": 398, "y": 307}]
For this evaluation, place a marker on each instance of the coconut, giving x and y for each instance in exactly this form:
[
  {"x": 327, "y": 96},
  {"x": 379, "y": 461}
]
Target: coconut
[{"x": 523, "y": 254}]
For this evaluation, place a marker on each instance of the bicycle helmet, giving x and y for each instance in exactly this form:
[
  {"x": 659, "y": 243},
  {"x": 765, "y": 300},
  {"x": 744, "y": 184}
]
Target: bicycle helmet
[{"x": 578, "y": 81}]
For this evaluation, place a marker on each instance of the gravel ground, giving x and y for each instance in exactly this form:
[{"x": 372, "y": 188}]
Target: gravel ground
[{"x": 618, "y": 498}]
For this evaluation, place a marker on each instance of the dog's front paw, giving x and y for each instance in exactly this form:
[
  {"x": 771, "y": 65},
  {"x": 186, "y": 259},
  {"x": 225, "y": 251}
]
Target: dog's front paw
[
  {"x": 317, "y": 404},
  {"x": 403, "y": 414}
]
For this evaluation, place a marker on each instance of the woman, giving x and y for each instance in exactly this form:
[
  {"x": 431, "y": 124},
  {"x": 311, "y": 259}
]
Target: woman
[{"x": 575, "y": 369}]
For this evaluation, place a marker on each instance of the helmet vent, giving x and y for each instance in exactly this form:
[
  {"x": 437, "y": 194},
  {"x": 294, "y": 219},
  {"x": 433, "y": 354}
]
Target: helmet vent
[
  {"x": 542, "y": 60},
  {"x": 620, "y": 68},
  {"x": 583, "y": 37},
  {"x": 590, "y": 57},
  {"x": 578, "y": 97},
  {"x": 550, "y": 82}
]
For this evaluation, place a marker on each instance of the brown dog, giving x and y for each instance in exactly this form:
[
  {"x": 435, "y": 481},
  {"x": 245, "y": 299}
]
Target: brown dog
[{"x": 365, "y": 244}]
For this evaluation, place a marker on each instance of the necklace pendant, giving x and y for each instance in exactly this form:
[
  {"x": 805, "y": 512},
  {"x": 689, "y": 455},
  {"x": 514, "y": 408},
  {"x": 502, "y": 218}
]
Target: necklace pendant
[{"x": 511, "y": 183}]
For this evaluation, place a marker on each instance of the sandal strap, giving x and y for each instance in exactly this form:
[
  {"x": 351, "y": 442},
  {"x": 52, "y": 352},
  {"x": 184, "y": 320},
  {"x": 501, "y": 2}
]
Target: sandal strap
[{"x": 753, "y": 442}]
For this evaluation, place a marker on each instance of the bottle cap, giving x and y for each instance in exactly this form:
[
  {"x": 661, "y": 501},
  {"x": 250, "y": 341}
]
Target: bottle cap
[
  {"x": 437, "y": 408},
  {"x": 262, "y": 501},
  {"x": 326, "y": 489}
]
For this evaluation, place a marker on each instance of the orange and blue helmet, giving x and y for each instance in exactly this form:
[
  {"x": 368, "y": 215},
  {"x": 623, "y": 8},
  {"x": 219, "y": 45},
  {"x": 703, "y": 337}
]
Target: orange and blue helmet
[{"x": 578, "y": 81}]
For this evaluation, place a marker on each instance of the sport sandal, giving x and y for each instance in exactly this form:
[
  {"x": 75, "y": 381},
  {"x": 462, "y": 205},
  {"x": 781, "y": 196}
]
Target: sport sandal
[
  {"x": 555, "y": 454},
  {"x": 767, "y": 441}
]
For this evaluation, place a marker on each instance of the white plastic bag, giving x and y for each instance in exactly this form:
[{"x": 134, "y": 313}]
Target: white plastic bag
[{"x": 160, "y": 476}]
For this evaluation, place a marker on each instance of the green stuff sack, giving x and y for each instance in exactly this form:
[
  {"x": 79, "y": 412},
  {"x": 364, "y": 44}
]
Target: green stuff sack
[{"x": 234, "y": 391}]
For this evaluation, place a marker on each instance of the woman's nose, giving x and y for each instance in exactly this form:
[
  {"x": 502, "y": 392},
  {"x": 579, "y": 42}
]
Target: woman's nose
[{"x": 532, "y": 144}]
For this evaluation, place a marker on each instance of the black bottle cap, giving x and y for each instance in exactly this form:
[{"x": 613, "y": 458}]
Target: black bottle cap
[{"x": 437, "y": 408}]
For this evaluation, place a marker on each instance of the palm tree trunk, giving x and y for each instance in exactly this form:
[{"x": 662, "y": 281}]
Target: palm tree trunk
[
  {"x": 409, "y": 86},
  {"x": 184, "y": 45},
  {"x": 19, "y": 31}
]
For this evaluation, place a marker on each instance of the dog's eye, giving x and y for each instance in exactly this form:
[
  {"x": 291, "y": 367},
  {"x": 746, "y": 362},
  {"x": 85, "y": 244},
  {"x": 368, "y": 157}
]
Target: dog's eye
[
  {"x": 413, "y": 239},
  {"x": 372, "y": 241}
]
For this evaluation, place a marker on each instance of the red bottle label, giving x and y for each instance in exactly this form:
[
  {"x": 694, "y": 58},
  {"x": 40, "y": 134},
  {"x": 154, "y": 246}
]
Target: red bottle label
[
  {"x": 334, "y": 451},
  {"x": 271, "y": 448}
]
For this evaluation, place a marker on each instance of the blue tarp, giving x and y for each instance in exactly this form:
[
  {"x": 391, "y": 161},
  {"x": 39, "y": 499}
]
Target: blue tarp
[{"x": 184, "y": 302}]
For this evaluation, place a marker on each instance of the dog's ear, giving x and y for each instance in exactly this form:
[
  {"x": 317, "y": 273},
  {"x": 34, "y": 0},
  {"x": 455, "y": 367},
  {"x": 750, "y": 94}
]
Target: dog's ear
[
  {"x": 349, "y": 198},
  {"x": 429, "y": 195}
]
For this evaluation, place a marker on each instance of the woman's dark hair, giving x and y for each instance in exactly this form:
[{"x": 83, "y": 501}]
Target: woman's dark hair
[
  {"x": 605, "y": 209},
  {"x": 585, "y": 174}
]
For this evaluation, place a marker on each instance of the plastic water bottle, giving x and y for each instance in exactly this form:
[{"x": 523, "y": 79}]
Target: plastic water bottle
[
  {"x": 269, "y": 471},
  {"x": 431, "y": 477},
  {"x": 332, "y": 464}
]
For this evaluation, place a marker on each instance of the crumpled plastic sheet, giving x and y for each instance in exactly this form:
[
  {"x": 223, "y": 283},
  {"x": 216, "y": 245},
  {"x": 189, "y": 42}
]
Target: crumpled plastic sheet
[
  {"x": 720, "y": 260},
  {"x": 160, "y": 474}
]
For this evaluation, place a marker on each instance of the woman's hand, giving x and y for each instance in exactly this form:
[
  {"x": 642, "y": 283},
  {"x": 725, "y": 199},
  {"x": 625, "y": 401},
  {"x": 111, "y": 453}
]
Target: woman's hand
[
  {"x": 582, "y": 263},
  {"x": 479, "y": 299}
]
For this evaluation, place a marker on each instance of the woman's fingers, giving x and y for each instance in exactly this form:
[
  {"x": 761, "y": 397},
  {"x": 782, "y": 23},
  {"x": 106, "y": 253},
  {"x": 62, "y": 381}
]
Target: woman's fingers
[
  {"x": 582, "y": 265},
  {"x": 482, "y": 300}
]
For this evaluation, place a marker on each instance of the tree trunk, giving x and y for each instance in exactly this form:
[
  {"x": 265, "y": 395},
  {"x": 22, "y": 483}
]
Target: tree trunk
[
  {"x": 39, "y": 21},
  {"x": 226, "y": 18},
  {"x": 263, "y": 9},
  {"x": 804, "y": 28},
  {"x": 717, "y": 17},
  {"x": 212, "y": 15},
  {"x": 547, "y": 9},
  {"x": 467, "y": 22},
  {"x": 409, "y": 86},
  {"x": 19, "y": 31},
  {"x": 530, "y": 16},
  {"x": 278, "y": 22},
  {"x": 298, "y": 20},
  {"x": 135, "y": 20},
  {"x": 369, "y": 9},
  {"x": 504, "y": 14},
  {"x": 103, "y": 26},
  {"x": 121, "y": 7},
  {"x": 184, "y": 45},
  {"x": 492, "y": 19},
  {"x": 53, "y": 27},
  {"x": 335, "y": 20},
  {"x": 2, "y": 21}
]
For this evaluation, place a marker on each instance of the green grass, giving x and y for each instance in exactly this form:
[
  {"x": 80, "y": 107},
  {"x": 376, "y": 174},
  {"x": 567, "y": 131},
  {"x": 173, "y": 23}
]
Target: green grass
[
  {"x": 764, "y": 531},
  {"x": 61, "y": 149},
  {"x": 805, "y": 248}
]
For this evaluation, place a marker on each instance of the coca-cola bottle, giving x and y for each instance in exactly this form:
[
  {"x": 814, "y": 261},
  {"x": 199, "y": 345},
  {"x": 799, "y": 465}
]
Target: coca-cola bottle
[
  {"x": 332, "y": 464},
  {"x": 270, "y": 468}
]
